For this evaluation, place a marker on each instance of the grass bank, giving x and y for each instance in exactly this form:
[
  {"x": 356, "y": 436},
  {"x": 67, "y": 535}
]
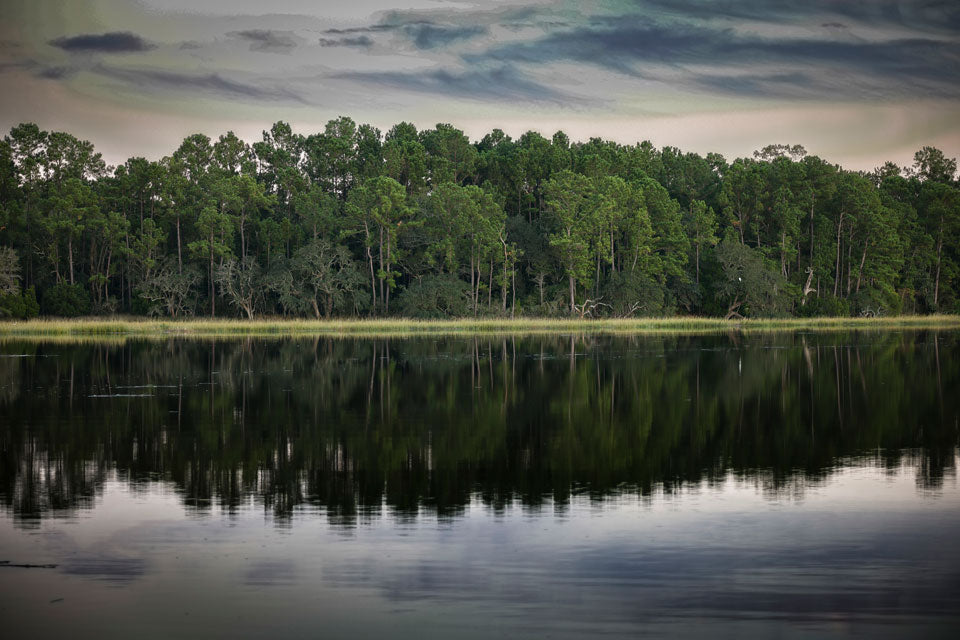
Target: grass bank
[{"x": 466, "y": 326}]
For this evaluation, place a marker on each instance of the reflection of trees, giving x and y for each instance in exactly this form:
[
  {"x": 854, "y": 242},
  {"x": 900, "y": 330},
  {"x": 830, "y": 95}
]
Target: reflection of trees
[{"x": 352, "y": 426}]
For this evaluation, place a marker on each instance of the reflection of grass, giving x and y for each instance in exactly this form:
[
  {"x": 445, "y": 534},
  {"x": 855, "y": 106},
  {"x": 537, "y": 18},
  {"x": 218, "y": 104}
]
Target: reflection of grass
[{"x": 400, "y": 327}]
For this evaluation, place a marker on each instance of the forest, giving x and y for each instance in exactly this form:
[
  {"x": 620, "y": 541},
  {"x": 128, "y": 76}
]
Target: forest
[{"x": 349, "y": 222}]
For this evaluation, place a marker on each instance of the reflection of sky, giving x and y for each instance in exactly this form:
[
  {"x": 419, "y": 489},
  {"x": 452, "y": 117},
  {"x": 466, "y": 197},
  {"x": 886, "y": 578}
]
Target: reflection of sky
[
  {"x": 857, "y": 83},
  {"x": 863, "y": 549}
]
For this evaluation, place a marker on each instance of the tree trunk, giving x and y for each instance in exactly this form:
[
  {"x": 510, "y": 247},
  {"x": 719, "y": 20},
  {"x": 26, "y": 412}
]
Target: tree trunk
[
  {"x": 613, "y": 257},
  {"x": 381, "y": 262},
  {"x": 732, "y": 309},
  {"x": 698, "y": 263},
  {"x": 504, "y": 288},
  {"x": 179, "y": 251},
  {"x": 596, "y": 282},
  {"x": 783, "y": 253},
  {"x": 807, "y": 290},
  {"x": 243, "y": 242},
  {"x": 849, "y": 260},
  {"x": 811, "y": 232},
  {"x": 936, "y": 280},
  {"x": 573, "y": 308},
  {"x": 863, "y": 260},
  {"x": 213, "y": 297},
  {"x": 473, "y": 288},
  {"x": 490, "y": 288},
  {"x": 70, "y": 256},
  {"x": 373, "y": 278},
  {"x": 836, "y": 274},
  {"x": 388, "y": 269},
  {"x": 513, "y": 292},
  {"x": 106, "y": 284}
]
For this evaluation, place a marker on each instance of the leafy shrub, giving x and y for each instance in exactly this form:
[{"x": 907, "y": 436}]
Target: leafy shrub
[
  {"x": 632, "y": 293},
  {"x": 751, "y": 285},
  {"x": 877, "y": 301},
  {"x": 435, "y": 297},
  {"x": 66, "y": 300},
  {"x": 825, "y": 305},
  {"x": 20, "y": 305}
]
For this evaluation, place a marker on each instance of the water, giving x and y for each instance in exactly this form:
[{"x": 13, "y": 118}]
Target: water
[{"x": 789, "y": 485}]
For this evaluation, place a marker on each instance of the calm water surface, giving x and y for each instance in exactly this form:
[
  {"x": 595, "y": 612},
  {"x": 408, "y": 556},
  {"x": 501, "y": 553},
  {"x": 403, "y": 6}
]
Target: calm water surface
[{"x": 789, "y": 485}]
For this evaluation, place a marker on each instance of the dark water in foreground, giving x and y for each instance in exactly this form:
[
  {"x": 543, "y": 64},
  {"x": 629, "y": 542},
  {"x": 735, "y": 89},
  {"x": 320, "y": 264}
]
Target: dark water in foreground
[{"x": 797, "y": 485}]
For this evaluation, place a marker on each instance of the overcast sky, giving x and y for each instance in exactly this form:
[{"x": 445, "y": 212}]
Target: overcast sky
[{"x": 855, "y": 82}]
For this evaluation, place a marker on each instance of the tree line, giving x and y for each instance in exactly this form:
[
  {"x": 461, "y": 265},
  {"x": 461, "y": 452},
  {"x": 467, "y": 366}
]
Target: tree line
[{"x": 351, "y": 222}]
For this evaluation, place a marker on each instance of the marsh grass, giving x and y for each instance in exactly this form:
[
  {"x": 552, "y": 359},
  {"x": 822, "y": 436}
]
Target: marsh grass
[{"x": 399, "y": 327}]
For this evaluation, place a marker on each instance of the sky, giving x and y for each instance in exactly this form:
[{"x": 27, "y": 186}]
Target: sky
[{"x": 856, "y": 82}]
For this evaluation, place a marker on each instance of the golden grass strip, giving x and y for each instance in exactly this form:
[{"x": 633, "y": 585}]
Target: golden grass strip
[{"x": 399, "y": 327}]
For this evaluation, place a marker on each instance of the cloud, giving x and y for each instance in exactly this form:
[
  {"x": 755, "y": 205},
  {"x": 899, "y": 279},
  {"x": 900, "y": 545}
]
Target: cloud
[
  {"x": 923, "y": 15},
  {"x": 487, "y": 85},
  {"x": 439, "y": 28},
  {"x": 267, "y": 41},
  {"x": 424, "y": 34},
  {"x": 427, "y": 35},
  {"x": 637, "y": 45},
  {"x": 55, "y": 73},
  {"x": 214, "y": 83},
  {"x": 784, "y": 85},
  {"x": 749, "y": 46},
  {"x": 113, "y": 42},
  {"x": 39, "y": 69},
  {"x": 374, "y": 28},
  {"x": 364, "y": 42}
]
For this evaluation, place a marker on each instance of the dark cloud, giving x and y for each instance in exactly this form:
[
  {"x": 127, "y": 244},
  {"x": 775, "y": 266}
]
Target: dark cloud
[
  {"x": 113, "y": 42},
  {"x": 190, "y": 45},
  {"x": 633, "y": 45},
  {"x": 545, "y": 25},
  {"x": 426, "y": 35},
  {"x": 39, "y": 69},
  {"x": 375, "y": 28},
  {"x": 267, "y": 41},
  {"x": 16, "y": 65},
  {"x": 661, "y": 39},
  {"x": 924, "y": 15},
  {"x": 442, "y": 27},
  {"x": 784, "y": 85},
  {"x": 364, "y": 42},
  {"x": 615, "y": 47},
  {"x": 488, "y": 85},
  {"x": 156, "y": 80},
  {"x": 55, "y": 73}
]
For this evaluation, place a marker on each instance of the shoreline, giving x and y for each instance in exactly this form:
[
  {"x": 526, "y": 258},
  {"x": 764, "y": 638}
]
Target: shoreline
[{"x": 392, "y": 327}]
